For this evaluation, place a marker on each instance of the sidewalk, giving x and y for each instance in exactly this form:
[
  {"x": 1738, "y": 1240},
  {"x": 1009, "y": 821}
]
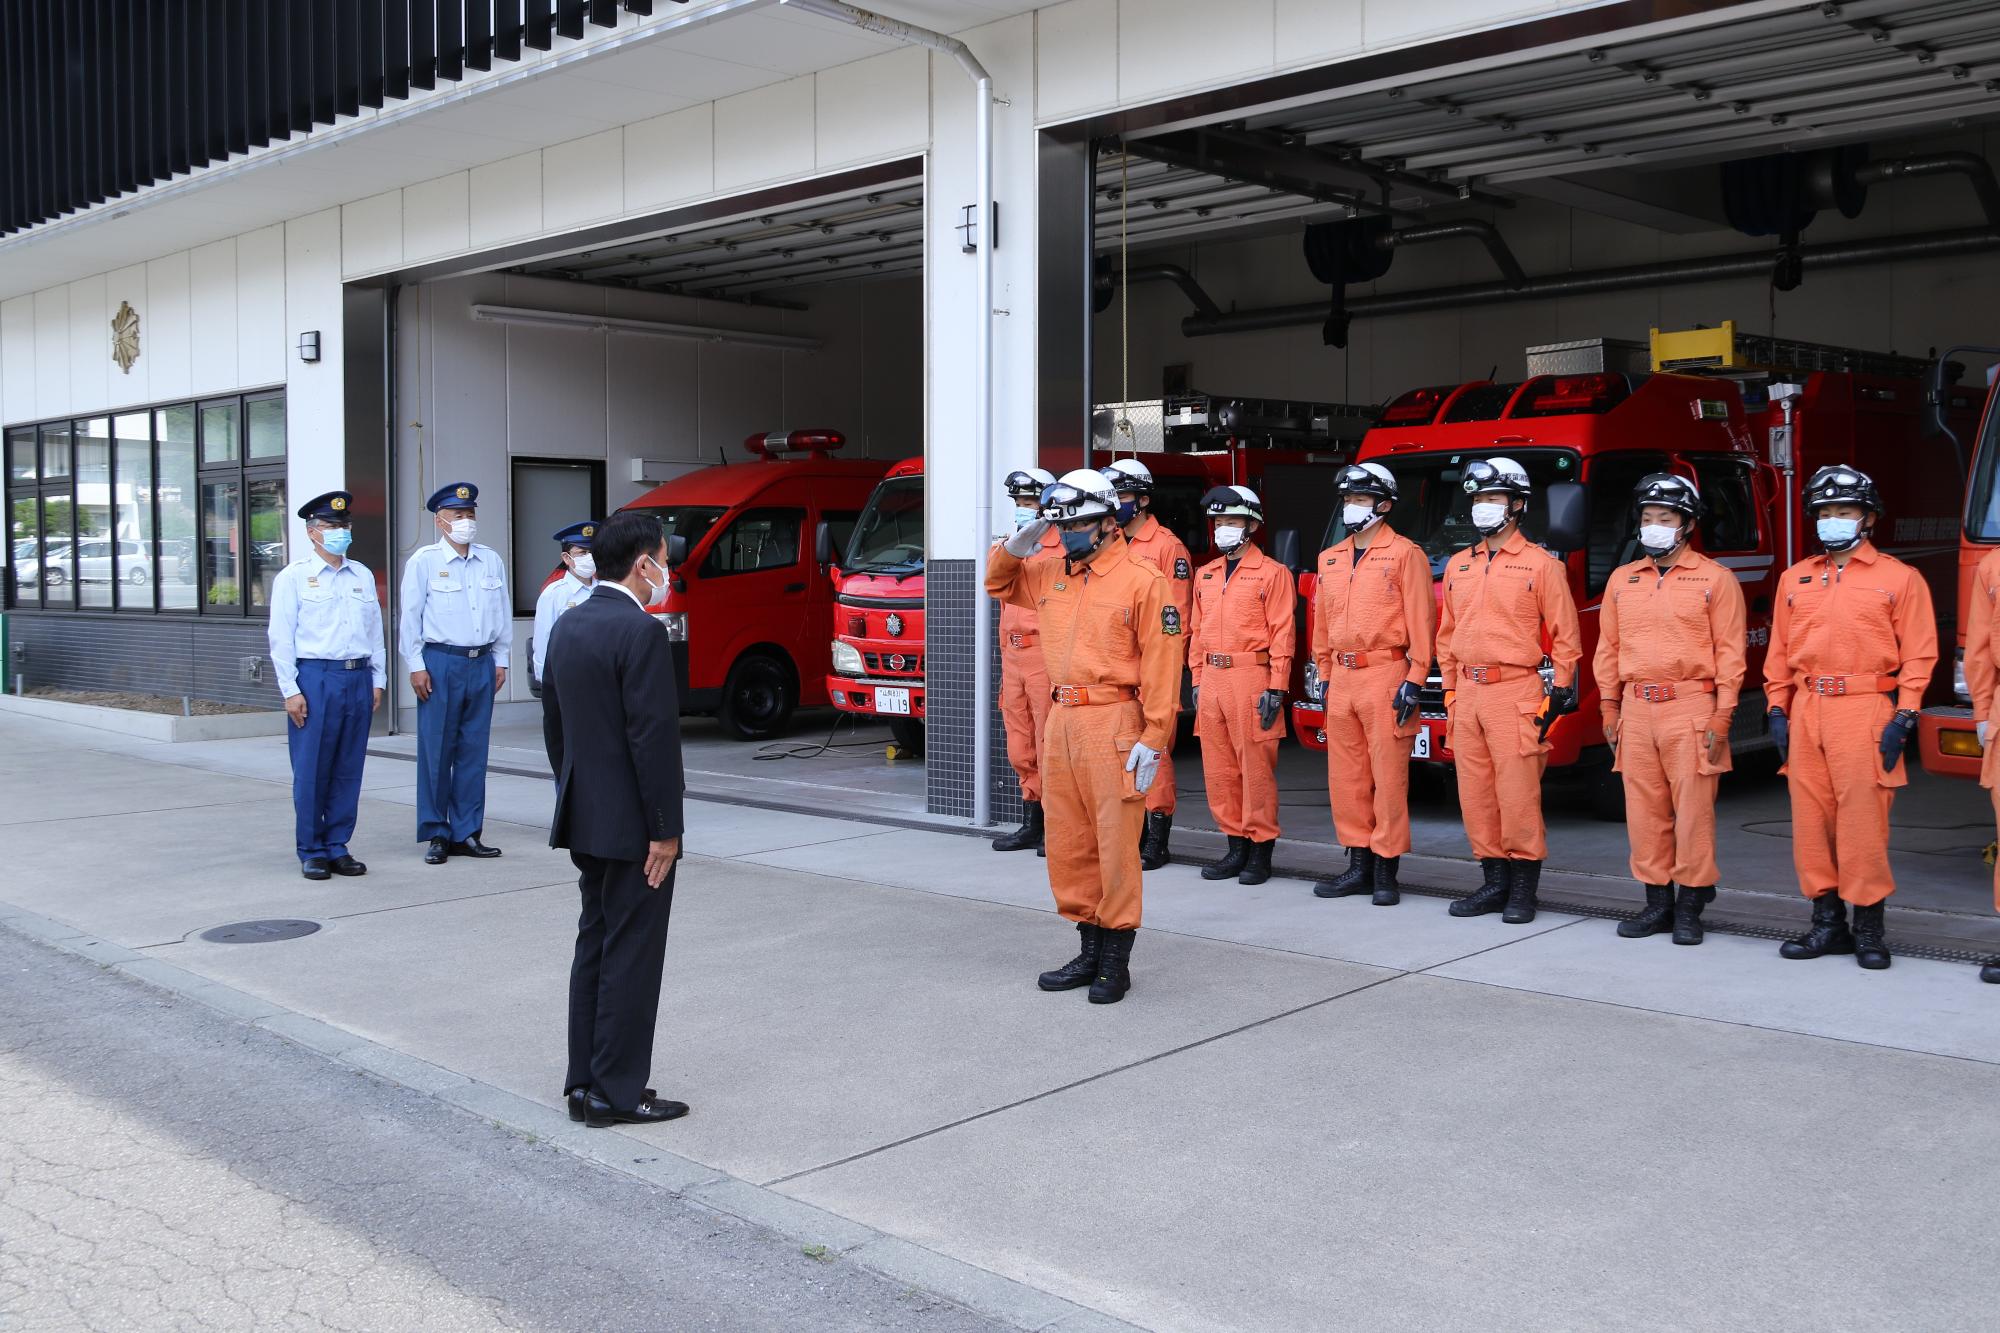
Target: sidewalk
[{"x": 1307, "y": 1115}]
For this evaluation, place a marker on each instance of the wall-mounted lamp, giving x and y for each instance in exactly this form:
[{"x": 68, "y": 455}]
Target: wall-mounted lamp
[{"x": 309, "y": 345}]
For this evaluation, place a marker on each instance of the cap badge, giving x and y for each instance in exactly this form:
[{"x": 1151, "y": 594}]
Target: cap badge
[
  {"x": 464, "y": 492},
  {"x": 337, "y": 504},
  {"x": 589, "y": 531}
]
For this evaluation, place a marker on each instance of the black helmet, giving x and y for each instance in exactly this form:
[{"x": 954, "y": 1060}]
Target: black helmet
[
  {"x": 1842, "y": 485},
  {"x": 1497, "y": 474},
  {"x": 1367, "y": 479},
  {"x": 1670, "y": 492}
]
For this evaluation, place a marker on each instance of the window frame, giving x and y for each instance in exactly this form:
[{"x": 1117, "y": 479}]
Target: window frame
[
  {"x": 799, "y": 551},
  {"x": 524, "y": 585},
  {"x": 1746, "y": 467}
]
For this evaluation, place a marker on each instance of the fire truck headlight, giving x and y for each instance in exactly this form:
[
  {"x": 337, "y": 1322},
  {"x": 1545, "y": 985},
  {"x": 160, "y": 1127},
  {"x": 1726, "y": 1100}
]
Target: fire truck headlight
[
  {"x": 847, "y": 659},
  {"x": 676, "y": 623},
  {"x": 1958, "y": 685},
  {"x": 1315, "y": 687}
]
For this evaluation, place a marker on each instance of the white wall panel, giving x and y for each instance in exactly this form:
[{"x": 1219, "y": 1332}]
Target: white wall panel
[
  {"x": 873, "y": 108},
  {"x": 1164, "y": 45},
  {"x": 670, "y": 158},
  {"x": 52, "y": 352},
  {"x": 17, "y": 359},
  {"x": 764, "y": 135},
  {"x": 506, "y": 200},
  {"x": 212, "y": 317},
  {"x": 314, "y": 396},
  {"x": 1076, "y": 67},
  {"x": 1308, "y": 31},
  {"x": 262, "y": 351},
  {"x": 129, "y": 285},
  {"x": 167, "y": 347},
  {"x": 436, "y": 217},
  {"x": 583, "y": 180},
  {"x": 89, "y": 347},
  {"x": 371, "y": 234},
  {"x": 1394, "y": 22}
]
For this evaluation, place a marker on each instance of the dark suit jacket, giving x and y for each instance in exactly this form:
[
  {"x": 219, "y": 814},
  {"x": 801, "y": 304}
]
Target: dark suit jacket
[{"x": 612, "y": 723}]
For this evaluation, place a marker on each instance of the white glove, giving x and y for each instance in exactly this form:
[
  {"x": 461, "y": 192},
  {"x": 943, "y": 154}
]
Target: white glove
[
  {"x": 1142, "y": 764},
  {"x": 1028, "y": 540},
  {"x": 1983, "y": 728}
]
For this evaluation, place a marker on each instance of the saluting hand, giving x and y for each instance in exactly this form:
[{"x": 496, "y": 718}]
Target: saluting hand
[
  {"x": 660, "y": 858},
  {"x": 295, "y": 709}
]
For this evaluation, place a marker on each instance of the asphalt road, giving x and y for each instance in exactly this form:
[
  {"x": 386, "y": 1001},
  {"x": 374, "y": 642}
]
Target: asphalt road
[{"x": 161, "y": 1166}]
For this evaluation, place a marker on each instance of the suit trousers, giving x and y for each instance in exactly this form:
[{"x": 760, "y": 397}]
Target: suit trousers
[{"x": 614, "y": 982}]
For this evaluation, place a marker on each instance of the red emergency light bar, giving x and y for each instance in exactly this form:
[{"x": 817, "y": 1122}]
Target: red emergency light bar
[
  {"x": 796, "y": 442},
  {"x": 1573, "y": 393},
  {"x": 1418, "y": 407}
]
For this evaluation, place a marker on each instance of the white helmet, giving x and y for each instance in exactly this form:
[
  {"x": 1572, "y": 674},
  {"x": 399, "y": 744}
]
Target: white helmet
[
  {"x": 1129, "y": 475},
  {"x": 1028, "y": 483},
  {"x": 1233, "y": 502},
  {"x": 1368, "y": 479},
  {"x": 1497, "y": 474},
  {"x": 1083, "y": 493}
]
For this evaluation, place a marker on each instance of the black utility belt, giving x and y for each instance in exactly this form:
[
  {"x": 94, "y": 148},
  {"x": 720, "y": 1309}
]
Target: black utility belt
[
  {"x": 344, "y": 663},
  {"x": 456, "y": 651}
]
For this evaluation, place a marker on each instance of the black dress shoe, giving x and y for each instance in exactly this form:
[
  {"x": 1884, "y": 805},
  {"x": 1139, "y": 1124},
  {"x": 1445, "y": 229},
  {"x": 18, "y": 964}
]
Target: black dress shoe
[
  {"x": 314, "y": 867},
  {"x": 579, "y": 1096},
  {"x": 472, "y": 846},
  {"x": 598, "y": 1113},
  {"x": 347, "y": 865},
  {"x": 438, "y": 852}
]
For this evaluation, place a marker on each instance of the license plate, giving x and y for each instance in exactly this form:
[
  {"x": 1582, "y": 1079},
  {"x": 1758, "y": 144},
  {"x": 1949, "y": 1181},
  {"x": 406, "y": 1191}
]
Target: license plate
[
  {"x": 892, "y": 701},
  {"x": 1420, "y": 744}
]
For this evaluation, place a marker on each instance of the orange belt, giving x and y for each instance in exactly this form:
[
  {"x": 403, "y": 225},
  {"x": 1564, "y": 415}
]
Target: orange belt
[
  {"x": 1374, "y": 657},
  {"x": 1080, "y": 696},
  {"x": 1667, "y": 691},
  {"x": 1860, "y": 683},
  {"x": 1494, "y": 675},
  {"x": 1027, "y": 640},
  {"x": 1261, "y": 657}
]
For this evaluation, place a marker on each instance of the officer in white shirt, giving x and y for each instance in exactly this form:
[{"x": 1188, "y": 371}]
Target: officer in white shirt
[
  {"x": 327, "y": 649},
  {"x": 579, "y": 577},
  {"x": 455, "y": 625}
]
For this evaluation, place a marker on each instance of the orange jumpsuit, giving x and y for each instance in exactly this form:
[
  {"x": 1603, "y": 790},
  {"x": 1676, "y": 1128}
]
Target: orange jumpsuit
[
  {"x": 1110, "y": 638},
  {"x": 1982, "y": 673},
  {"x": 1489, "y": 649},
  {"x": 1158, "y": 547},
  {"x": 1241, "y": 637},
  {"x": 1848, "y": 648},
  {"x": 1374, "y": 619},
  {"x": 1669, "y": 667},
  {"x": 1024, "y": 684}
]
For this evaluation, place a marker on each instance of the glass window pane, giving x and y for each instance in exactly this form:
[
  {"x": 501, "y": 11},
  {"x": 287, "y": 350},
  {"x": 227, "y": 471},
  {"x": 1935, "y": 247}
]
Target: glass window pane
[
  {"x": 24, "y": 548},
  {"x": 96, "y": 551},
  {"x": 221, "y": 429},
  {"x": 55, "y": 450},
  {"x": 21, "y": 454},
  {"x": 57, "y": 566},
  {"x": 221, "y": 554},
  {"x": 267, "y": 428},
  {"x": 178, "y": 560},
  {"x": 132, "y": 498},
  {"x": 267, "y": 537}
]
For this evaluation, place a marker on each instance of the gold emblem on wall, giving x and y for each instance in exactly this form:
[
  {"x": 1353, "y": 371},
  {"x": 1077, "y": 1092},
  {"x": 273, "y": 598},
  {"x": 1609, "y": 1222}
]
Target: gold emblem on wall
[{"x": 125, "y": 336}]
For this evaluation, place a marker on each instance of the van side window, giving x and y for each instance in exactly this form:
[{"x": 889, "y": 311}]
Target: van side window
[
  {"x": 758, "y": 539},
  {"x": 1731, "y": 496},
  {"x": 1612, "y": 540},
  {"x": 842, "y": 522}
]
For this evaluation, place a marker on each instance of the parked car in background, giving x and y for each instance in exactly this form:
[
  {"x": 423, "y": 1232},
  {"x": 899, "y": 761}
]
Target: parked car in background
[{"x": 94, "y": 564}]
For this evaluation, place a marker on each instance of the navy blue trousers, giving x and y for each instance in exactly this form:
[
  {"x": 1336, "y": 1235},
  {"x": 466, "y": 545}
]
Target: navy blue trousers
[
  {"x": 327, "y": 754},
  {"x": 452, "y": 730}
]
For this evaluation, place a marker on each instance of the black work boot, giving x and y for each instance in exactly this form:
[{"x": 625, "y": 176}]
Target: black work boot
[
  {"x": 1524, "y": 876},
  {"x": 1080, "y": 970},
  {"x": 1687, "y": 913},
  {"x": 1871, "y": 950},
  {"x": 1257, "y": 865},
  {"x": 1488, "y": 897},
  {"x": 1658, "y": 915},
  {"x": 1387, "y": 893},
  {"x": 1153, "y": 845},
  {"x": 1829, "y": 933},
  {"x": 1359, "y": 876},
  {"x": 1114, "y": 972},
  {"x": 1028, "y": 835},
  {"x": 1231, "y": 864}
]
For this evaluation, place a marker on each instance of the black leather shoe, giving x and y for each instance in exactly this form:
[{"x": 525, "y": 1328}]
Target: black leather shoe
[
  {"x": 1257, "y": 865},
  {"x": 438, "y": 852},
  {"x": 346, "y": 865},
  {"x": 1359, "y": 877},
  {"x": 1657, "y": 916},
  {"x": 1080, "y": 970},
  {"x": 598, "y": 1113},
  {"x": 1990, "y": 972},
  {"x": 315, "y": 867},
  {"x": 1387, "y": 892},
  {"x": 1522, "y": 886},
  {"x": 472, "y": 846},
  {"x": 1114, "y": 972},
  {"x": 1028, "y": 835},
  {"x": 578, "y": 1098},
  {"x": 1490, "y": 896},
  {"x": 1687, "y": 913},
  {"x": 1231, "y": 864},
  {"x": 1829, "y": 932},
  {"x": 1871, "y": 948}
]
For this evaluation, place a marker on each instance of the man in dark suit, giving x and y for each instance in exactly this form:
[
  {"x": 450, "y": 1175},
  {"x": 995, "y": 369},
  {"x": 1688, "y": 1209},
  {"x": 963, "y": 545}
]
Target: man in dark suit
[{"x": 611, "y": 721}]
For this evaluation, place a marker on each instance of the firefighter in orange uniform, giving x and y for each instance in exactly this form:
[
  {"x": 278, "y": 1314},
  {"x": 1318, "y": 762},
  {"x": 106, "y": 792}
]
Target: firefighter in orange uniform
[
  {"x": 1500, "y": 595},
  {"x": 1241, "y": 637},
  {"x": 1853, "y": 645},
  {"x": 1153, "y": 542},
  {"x": 1109, "y": 638},
  {"x": 1669, "y": 666},
  {"x": 1982, "y": 675},
  {"x": 1024, "y": 680},
  {"x": 1375, "y": 619}
]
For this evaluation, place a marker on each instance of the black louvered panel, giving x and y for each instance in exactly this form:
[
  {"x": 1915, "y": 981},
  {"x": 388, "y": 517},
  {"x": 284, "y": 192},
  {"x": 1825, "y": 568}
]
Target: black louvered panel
[
  {"x": 347, "y": 57},
  {"x": 215, "y": 59},
  {"x": 479, "y": 33},
  {"x": 325, "y": 60},
  {"x": 257, "y": 73},
  {"x": 395, "y": 51},
  {"x": 642, "y": 7},
  {"x": 541, "y": 23},
  {"x": 569, "y": 18},
  {"x": 604, "y": 13},
  {"x": 451, "y": 40},
  {"x": 423, "y": 43},
  {"x": 369, "y": 24},
  {"x": 236, "y": 74},
  {"x": 506, "y": 29}
]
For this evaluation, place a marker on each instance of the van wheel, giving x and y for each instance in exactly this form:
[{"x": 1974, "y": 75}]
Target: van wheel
[
  {"x": 758, "y": 697},
  {"x": 909, "y": 734}
]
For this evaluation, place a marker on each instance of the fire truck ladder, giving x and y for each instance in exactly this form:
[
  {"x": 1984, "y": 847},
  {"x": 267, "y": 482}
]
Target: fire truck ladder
[{"x": 1734, "y": 354}]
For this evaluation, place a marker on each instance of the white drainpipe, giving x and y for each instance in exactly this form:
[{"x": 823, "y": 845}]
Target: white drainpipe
[{"x": 982, "y": 343}]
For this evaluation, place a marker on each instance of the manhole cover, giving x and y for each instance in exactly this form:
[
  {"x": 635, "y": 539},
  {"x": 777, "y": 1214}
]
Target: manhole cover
[{"x": 259, "y": 932}]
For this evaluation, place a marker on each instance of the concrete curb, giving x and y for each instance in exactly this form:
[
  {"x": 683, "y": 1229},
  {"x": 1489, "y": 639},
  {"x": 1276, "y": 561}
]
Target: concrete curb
[
  {"x": 147, "y": 726},
  {"x": 817, "y": 1230}
]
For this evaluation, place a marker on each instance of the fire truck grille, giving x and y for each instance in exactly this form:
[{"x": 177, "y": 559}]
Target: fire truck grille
[{"x": 894, "y": 664}]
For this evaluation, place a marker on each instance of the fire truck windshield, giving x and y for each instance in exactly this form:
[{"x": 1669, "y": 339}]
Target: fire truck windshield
[
  {"x": 889, "y": 539},
  {"x": 1982, "y": 492},
  {"x": 689, "y": 521},
  {"x": 1433, "y": 509}
]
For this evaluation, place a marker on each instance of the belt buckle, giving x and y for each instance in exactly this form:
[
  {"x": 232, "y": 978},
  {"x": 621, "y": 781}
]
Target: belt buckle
[
  {"x": 1017, "y": 640},
  {"x": 1348, "y": 660},
  {"x": 349, "y": 664},
  {"x": 474, "y": 652},
  {"x": 1476, "y": 674},
  {"x": 1066, "y": 695},
  {"x": 1656, "y": 694},
  {"x": 1219, "y": 660}
]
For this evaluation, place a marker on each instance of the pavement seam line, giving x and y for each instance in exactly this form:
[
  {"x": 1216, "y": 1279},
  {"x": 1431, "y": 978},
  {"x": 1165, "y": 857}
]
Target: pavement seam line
[{"x": 1020, "y": 1304}]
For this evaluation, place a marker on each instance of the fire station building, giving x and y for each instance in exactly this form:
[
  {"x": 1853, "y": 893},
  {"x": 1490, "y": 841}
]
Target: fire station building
[{"x": 569, "y": 251}]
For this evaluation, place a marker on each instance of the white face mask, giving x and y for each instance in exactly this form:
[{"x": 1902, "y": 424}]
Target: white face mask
[
  {"x": 1658, "y": 536},
  {"x": 584, "y": 567},
  {"x": 656, "y": 592},
  {"x": 463, "y": 530},
  {"x": 1230, "y": 538},
  {"x": 1837, "y": 534},
  {"x": 1357, "y": 517},
  {"x": 1489, "y": 516}
]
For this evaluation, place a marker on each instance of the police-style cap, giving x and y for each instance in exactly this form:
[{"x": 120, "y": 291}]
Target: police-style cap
[
  {"x": 458, "y": 495},
  {"x": 333, "y": 507},
  {"x": 578, "y": 534}
]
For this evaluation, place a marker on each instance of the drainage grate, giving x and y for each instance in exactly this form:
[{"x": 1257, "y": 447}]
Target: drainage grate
[{"x": 259, "y": 932}]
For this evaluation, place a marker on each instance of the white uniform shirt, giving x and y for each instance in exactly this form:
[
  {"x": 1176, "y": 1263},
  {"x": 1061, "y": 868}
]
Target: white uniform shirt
[
  {"x": 456, "y": 599},
  {"x": 320, "y": 611},
  {"x": 558, "y": 597}
]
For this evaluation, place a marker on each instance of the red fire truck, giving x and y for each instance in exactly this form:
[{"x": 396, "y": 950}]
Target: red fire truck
[
  {"x": 1947, "y": 741},
  {"x": 1748, "y": 418}
]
